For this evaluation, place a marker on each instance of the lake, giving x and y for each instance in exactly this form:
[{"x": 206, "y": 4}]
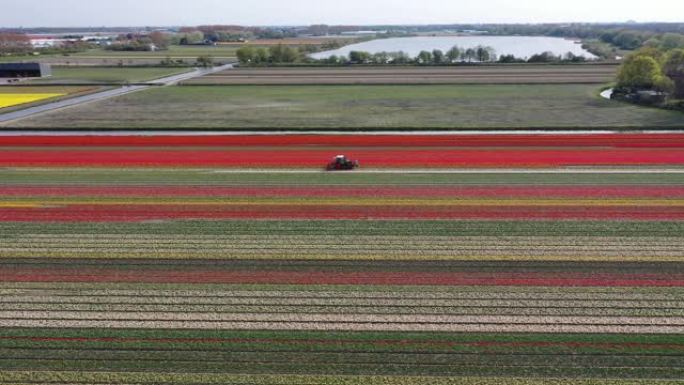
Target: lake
[{"x": 520, "y": 46}]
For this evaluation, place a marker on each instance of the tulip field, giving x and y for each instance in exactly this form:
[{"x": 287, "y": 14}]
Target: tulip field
[
  {"x": 15, "y": 99},
  {"x": 475, "y": 259}
]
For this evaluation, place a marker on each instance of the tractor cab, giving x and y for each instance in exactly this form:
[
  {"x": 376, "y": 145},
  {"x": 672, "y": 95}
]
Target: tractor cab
[{"x": 341, "y": 162}]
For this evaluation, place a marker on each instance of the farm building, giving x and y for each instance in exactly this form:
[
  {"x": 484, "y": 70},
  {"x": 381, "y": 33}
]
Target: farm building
[{"x": 24, "y": 70}]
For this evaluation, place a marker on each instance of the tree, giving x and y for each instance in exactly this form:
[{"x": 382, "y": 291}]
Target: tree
[
  {"x": 14, "y": 43},
  {"x": 672, "y": 41},
  {"x": 571, "y": 57},
  {"x": 424, "y": 57},
  {"x": 246, "y": 55},
  {"x": 510, "y": 59},
  {"x": 283, "y": 54},
  {"x": 627, "y": 40},
  {"x": 160, "y": 40},
  {"x": 484, "y": 54},
  {"x": 470, "y": 55},
  {"x": 438, "y": 56},
  {"x": 641, "y": 72},
  {"x": 190, "y": 38},
  {"x": 674, "y": 69},
  {"x": 359, "y": 57},
  {"x": 400, "y": 57},
  {"x": 334, "y": 59},
  {"x": 382, "y": 58},
  {"x": 261, "y": 56},
  {"x": 544, "y": 57},
  {"x": 205, "y": 61},
  {"x": 454, "y": 54}
]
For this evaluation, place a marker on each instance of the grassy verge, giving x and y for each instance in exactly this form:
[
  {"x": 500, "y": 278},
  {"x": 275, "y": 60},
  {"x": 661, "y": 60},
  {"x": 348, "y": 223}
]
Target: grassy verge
[
  {"x": 113, "y": 75},
  {"x": 354, "y": 107},
  {"x": 174, "y": 51}
]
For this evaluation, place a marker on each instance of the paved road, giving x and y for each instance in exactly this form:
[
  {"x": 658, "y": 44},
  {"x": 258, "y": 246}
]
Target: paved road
[{"x": 167, "y": 81}]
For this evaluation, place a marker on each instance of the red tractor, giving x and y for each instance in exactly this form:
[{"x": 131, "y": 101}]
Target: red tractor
[{"x": 341, "y": 162}]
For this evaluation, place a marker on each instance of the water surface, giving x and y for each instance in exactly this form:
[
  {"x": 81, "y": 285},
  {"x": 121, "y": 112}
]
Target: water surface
[{"x": 520, "y": 46}]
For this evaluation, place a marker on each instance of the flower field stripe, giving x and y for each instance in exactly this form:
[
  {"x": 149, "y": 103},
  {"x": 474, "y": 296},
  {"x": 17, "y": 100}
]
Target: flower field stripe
[
  {"x": 624, "y": 140},
  {"x": 434, "y": 191},
  {"x": 137, "y": 213},
  {"x": 379, "y": 228},
  {"x": 197, "y": 276},
  {"x": 476, "y": 327},
  {"x": 10, "y": 100},
  {"x": 335, "y": 201},
  {"x": 343, "y": 247},
  {"x": 164, "y": 260},
  {"x": 407, "y": 158},
  {"x": 20, "y": 205},
  {"x": 376, "y": 343},
  {"x": 128, "y": 377}
]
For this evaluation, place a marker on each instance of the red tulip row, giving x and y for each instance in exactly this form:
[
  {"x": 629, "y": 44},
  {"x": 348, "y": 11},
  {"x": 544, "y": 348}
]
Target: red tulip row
[
  {"x": 133, "y": 213},
  {"x": 382, "y": 158},
  {"x": 623, "y": 191}
]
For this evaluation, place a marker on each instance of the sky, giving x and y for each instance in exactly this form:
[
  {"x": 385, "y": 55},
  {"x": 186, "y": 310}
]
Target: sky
[{"x": 96, "y": 13}]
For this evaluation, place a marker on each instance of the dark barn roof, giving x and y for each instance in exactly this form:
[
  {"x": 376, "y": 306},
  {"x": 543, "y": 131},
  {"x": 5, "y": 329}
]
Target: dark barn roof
[{"x": 24, "y": 70}]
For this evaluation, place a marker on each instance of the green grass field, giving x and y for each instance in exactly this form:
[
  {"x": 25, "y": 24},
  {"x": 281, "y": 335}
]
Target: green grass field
[
  {"x": 174, "y": 51},
  {"x": 108, "y": 74},
  {"x": 357, "y": 107}
]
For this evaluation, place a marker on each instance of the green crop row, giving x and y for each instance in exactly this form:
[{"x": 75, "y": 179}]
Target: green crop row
[
  {"x": 105, "y": 176},
  {"x": 65, "y": 377},
  {"x": 10, "y": 230}
]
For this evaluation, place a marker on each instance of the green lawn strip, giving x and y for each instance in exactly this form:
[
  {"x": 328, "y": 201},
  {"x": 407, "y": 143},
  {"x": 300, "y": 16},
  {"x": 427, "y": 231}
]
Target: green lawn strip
[
  {"x": 72, "y": 377},
  {"x": 108, "y": 75},
  {"x": 162, "y": 176},
  {"x": 11, "y": 230},
  {"x": 174, "y": 51},
  {"x": 357, "y": 107}
]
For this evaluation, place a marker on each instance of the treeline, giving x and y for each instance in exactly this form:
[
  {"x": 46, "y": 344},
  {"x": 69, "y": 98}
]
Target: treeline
[
  {"x": 155, "y": 41},
  {"x": 211, "y": 34},
  {"x": 19, "y": 44},
  {"x": 631, "y": 39},
  {"x": 249, "y": 55},
  {"x": 15, "y": 44},
  {"x": 281, "y": 54},
  {"x": 456, "y": 54}
]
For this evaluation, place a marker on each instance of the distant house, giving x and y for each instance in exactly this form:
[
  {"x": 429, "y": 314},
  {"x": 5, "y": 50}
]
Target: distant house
[{"x": 25, "y": 70}]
